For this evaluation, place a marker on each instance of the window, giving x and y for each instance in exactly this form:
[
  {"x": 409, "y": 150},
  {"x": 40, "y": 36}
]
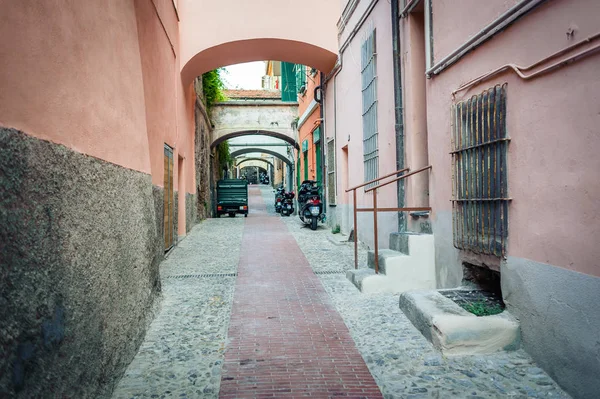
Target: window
[
  {"x": 480, "y": 190},
  {"x": 301, "y": 78},
  {"x": 369, "y": 111}
]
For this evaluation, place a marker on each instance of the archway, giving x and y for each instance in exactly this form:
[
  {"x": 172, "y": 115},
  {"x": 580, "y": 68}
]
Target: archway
[
  {"x": 218, "y": 138},
  {"x": 250, "y": 150},
  {"x": 252, "y": 173},
  {"x": 255, "y": 160},
  {"x": 257, "y": 50}
]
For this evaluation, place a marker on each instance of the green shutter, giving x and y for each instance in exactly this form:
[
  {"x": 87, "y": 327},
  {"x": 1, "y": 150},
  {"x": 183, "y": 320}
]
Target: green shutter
[
  {"x": 288, "y": 82},
  {"x": 298, "y": 173},
  {"x": 300, "y": 78},
  {"x": 318, "y": 163},
  {"x": 306, "y": 165}
]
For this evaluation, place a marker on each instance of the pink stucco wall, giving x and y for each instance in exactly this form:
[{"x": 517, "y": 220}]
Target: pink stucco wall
[
  {"x": 414, "y": 105},
  {"x": 71, "y": 74},
  {"x": 553, "y": 124},
  {"x": 348, "y": 115},
  {"x": 169, "y": 104},
  {"x": 218, "y": 33},
  {"x": 453, "y": 25},
  {"x": 102, "y": 79}
]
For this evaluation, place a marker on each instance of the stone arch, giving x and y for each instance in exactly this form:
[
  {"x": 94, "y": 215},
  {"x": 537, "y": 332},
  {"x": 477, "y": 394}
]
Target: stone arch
[
  {"x": 219, "y": 137},
  {"x": 239, "y": 51},
  {"x": 255, "y": 159},
  {"x": 261, "y": 150}
]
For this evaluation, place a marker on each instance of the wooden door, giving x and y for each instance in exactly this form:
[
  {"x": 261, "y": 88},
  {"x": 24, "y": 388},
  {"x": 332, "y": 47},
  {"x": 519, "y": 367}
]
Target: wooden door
[{"x": 169, "y": 225}]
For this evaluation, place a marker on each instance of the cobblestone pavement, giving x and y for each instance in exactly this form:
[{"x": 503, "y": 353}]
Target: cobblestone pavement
[
  {"x": 285, "y": 339},
  {"x": 183, "y": 352},
  {"x": 402, "y": 361}
]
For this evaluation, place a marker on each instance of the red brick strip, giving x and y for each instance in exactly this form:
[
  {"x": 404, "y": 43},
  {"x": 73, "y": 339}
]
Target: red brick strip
[{"x": 286, "y": 340}]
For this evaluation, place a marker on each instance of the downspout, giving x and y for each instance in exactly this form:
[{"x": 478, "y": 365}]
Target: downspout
[
  {"x": 399, "y": 111},
  {"x": 321, "y": 100}
]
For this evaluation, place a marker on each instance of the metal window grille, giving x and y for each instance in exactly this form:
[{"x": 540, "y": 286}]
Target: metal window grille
[
  {"x": 369, "y": 111},
  {"x": 331, "y": 171},
  {"x": 480, "y": 190}
]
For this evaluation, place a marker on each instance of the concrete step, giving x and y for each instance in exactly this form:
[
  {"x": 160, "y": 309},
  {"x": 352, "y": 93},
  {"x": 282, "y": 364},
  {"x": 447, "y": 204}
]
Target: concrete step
[
  {"x": 386, "y": 257},
  {"x": 399, "y": 272},
  {"x": 453, "y": 330}
]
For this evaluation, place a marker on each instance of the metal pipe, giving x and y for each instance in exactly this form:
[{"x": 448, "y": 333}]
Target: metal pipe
[
  {"x": 520, "y": 70},
  {"x": 355, "y": 235},
  {"x": 376, "y": 238},
  {"x": 483, "y": 35},
  {"x": 398, "y": 109},
  {"x": 405, "y": 209},
  {"x": 378, "y": 179},
  {"x": 408, "y": 8},
  {"x": 358, "y": 25},
  {"x": 322, "y": 140},
  {"x": 398, "y": 178}
]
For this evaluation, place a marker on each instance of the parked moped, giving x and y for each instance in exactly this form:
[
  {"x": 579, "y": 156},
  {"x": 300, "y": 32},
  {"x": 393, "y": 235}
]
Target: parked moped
[
  {"x": 279, "y": 199},
  {"x": 287, "y": 206},
  {"x": 309, "y": 204}
]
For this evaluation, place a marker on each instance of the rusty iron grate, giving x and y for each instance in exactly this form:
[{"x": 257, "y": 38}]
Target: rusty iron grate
[
  {"x": 183, "y": 276},
  {"x": 330, "y": 272},
  {"x": 479, "y": 171}
]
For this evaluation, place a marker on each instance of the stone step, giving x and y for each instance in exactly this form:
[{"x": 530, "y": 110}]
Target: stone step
[
  {"x": 453, "y": 330},
  {"x": 386, "y": 257}
]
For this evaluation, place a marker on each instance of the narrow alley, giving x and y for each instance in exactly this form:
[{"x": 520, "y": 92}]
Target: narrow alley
[
  {"x": 271, "y": 199},
  {"x": 260, "y": 307}
]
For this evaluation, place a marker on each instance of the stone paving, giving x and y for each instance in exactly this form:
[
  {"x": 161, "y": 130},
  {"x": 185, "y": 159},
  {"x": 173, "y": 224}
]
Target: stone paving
[
  {"x": 402, "y": 361},
  {"x": 183, "y": 352},
  {"x": 286, "y": 340}
]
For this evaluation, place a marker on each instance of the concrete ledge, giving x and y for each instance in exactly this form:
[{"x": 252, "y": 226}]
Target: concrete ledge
[
  {"x": 455, "y": 331},
  {"x": 386, "y": 256},
  {"x": 356, "y": 276}
]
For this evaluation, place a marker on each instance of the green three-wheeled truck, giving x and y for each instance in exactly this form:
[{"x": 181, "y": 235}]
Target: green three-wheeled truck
[{"x": 232, "y": 197}]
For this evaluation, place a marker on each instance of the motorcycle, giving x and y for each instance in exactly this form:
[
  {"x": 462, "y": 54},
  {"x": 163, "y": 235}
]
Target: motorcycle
[
  {"x": 287, "y": 206},
  {"x": 309, "y": 202},
  {"x": 279, "y": 199}
]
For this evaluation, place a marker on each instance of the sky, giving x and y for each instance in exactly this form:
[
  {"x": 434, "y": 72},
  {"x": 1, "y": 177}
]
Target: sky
[{"x": 245, "y": 76}]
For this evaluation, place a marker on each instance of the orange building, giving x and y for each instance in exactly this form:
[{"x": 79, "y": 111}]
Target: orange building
[{"x": 309, "y": 158}]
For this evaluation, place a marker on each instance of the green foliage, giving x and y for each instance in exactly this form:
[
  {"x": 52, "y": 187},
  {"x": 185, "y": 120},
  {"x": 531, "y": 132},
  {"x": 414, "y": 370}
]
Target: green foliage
[
  {"x": 336, "y": 229},
  {"x": 224, "y": 156},
  {"x": 482, "y": 308},
  {"x": 213, "y": 86}
]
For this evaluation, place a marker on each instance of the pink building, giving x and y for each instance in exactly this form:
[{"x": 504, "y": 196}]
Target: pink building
[
  {"x": 499, "y": 100},
  {"x": 513, "y": 137},
  {"x": 105, "y": 159}
]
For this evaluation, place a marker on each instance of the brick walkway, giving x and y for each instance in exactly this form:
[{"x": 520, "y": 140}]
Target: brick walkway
[{"x": 285, "y": 338}]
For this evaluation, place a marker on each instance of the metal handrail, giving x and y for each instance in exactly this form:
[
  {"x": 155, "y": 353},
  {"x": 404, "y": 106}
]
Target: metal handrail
[
  {"x": 353, "y": 189},
  {"x": 378, "y": 179},
  {"x": 398, "y": 178},
  {"x": 375, "y": 210}
]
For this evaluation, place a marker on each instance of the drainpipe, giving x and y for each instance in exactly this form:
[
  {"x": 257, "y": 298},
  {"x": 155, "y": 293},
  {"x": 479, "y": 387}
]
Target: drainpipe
[
  {"x": 399, "y": 111},
  {"x": 321, "y": 89}
]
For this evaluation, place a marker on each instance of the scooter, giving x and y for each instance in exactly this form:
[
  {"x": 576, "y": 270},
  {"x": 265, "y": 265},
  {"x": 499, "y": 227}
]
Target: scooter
[
  {"x": 311, "y": 207},
  {"x": 287, "y": 206},
  {"x": 279, "y": 199}
]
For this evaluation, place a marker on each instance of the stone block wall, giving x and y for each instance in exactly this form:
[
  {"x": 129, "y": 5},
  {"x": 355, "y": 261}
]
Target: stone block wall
[{"x": 79, "y": 255}]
